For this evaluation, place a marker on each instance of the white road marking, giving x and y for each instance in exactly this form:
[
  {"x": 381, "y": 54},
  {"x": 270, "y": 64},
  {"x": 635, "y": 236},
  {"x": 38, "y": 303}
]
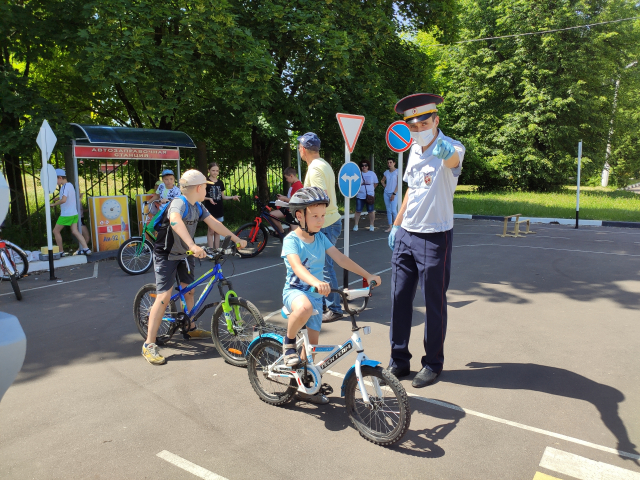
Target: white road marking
[
  {"x": 607, "y": 241},
  {"x": 547, "y": 248},
  {"x": 494, "y": 234},
  {"x": 188, "y": 466},
  {"x": 95, "y": 275},
  {"x": 516, "y": 424},
  {"x": 583, "y": 468}
]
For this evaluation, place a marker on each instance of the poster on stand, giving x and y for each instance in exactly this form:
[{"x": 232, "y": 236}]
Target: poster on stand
[
  {"x": 109, "y": 221},
  {"x": 141, "y": 210}
]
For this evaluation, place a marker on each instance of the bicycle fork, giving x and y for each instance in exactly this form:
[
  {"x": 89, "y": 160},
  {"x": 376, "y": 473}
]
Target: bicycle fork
[
  {"x": 255, "y": 230},
  {"x": 8, "y": 265}
]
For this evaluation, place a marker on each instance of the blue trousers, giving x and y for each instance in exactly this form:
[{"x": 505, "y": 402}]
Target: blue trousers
[
  {"x": 332, "y": 232},
  {"x": 392, "y": 207},
  {"x": 423, "y": 258}
]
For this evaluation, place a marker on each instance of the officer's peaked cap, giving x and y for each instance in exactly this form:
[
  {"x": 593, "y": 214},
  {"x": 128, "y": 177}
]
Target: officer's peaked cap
[{"x": 418, "y": 107}]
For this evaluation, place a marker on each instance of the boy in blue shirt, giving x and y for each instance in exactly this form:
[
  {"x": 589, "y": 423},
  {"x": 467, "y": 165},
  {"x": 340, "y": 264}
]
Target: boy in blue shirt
[{"x": 304, "y": 252}]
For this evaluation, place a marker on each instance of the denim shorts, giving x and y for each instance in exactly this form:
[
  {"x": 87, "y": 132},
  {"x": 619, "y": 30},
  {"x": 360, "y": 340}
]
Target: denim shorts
[
  {"x": 361, "y": 203},
  {"x": 315, "y": 321}
]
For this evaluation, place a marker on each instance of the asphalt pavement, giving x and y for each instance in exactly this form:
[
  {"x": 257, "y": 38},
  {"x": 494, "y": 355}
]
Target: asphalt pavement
[{"x": 541, "y": 373}]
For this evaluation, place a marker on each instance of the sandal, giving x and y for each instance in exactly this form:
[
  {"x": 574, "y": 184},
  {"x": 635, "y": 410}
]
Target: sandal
[{"x": 293, "y": 359}]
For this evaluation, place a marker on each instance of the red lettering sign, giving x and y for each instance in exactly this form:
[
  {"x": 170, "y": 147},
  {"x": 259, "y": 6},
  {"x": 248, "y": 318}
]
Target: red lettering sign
[{"x": 126, "y": 153}]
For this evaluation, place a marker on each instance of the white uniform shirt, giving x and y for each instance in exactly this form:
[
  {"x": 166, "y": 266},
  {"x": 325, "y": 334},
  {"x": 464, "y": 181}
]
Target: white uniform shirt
[
  {"x": 68, "y": 208},
  {"x": 431, "y": 188}
]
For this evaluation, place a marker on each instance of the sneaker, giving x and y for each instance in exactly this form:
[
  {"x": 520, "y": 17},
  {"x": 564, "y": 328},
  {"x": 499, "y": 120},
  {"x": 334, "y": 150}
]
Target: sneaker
[
  {"x": 331, "y": 316},
  {"x": 64, "y": 254},
  {"x": 81, "y": 251},
  {"x": 198, "y": 333},
  {"x": 355, "y": 228},
  {"x": 150, "y": 352},
  {"x": 371, "y": 228},
  {"x": 292, "y": 360},
  {"x": 318, "y": 398}
]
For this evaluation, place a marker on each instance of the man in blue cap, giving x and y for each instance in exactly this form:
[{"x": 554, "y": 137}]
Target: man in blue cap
[
  {"x": 320, "y": 174},
  {"x": 421, "y": 237}
]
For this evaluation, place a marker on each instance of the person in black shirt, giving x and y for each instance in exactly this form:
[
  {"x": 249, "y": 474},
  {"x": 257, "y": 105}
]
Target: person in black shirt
[{"x": 213, "y": 202}]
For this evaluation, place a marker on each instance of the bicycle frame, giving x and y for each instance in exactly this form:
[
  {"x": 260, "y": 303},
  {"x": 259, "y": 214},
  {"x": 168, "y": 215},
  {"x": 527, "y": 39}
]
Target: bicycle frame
[
  {"x": 213, "y": 276},
  {"x": 264, "y": 215},
  {"x": 336, "y": 354}
]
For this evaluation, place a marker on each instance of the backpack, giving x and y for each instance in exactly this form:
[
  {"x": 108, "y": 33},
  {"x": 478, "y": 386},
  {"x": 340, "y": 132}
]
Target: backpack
[{"x": 162, "y": 213}]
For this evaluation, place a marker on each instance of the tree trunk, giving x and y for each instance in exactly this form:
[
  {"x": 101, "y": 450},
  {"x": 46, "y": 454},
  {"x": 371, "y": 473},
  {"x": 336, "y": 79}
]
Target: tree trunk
[
  {"x": 286, "y": 161},
  {"x": 261, "y": 149},
  {"x": 201, "y": 157},
  {"x": 14, "y": 179}
]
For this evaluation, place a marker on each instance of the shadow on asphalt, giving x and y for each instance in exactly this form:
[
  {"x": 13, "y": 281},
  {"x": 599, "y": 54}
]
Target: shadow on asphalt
[
  {"x": 417, "y": 443},
  {"x": 553, "y": 381}
]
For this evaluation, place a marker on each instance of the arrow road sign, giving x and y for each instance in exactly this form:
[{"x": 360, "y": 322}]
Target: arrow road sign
[
  {"x": 398, "y": 136},
  {"x": 349, "y": 179},
  {"x": 350, "y": 126}
]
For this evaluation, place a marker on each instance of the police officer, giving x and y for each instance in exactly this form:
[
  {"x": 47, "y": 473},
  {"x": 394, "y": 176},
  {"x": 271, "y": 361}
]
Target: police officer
[{"x": 421, "y": 237}]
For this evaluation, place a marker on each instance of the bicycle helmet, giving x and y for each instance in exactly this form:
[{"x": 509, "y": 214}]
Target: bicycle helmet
[{"x": 306, "y": 197}]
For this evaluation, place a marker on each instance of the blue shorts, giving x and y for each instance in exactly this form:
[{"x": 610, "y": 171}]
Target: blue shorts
[
  {"x": 361, "y": 203},
  {"x": 315, "y": 321}
]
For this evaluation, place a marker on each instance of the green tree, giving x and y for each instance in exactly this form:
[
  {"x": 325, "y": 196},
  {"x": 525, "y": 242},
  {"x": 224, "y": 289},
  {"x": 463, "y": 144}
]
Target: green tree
[{"x": 522, "y": 104}]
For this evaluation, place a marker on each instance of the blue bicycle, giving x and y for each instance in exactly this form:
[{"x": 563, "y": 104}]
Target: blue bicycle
[{"x": 234, "y": 320}]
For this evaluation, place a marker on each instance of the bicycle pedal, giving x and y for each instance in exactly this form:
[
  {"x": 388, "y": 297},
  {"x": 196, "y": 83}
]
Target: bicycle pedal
[{"x": 326, "y": 389}]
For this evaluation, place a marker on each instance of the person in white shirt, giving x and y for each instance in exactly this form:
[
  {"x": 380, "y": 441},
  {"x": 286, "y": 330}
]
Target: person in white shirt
[
  {"x": 390, "y": 184},
  {"x": 421, "y": 237},
  {"x": 68, "y": 214},
  {"x": 367, "y": 189}
]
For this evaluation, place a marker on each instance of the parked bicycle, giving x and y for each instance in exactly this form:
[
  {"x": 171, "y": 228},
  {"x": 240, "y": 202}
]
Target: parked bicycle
[
  {"x": 14, "y": 264},
  {"x": 234, "y": 319},
  {"x": 257, "y": 234},
  {"x": 135, "y": 256},
  {"x": 376, "y": 401}
]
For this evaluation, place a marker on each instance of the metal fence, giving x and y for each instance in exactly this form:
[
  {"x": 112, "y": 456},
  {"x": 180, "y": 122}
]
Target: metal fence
[{"x": 26, "y": 224}]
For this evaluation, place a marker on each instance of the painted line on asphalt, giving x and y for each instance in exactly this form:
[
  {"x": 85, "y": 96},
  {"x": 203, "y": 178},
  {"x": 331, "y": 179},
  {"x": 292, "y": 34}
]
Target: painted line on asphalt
[
  {"x": 583, "y": 468},
  {"x": 188, "y": 466},
  {"x": 493, "y": 234},
  {"x": 515, "y": 424},
  {"x": 547, "y": 248},
  {"x": 95, "y": 275},
  {"x": 281, "y": 264}
]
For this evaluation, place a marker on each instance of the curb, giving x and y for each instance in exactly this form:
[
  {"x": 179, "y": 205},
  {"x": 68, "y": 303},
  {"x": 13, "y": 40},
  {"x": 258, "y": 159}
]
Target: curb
[{"x": 561, "y": 221}]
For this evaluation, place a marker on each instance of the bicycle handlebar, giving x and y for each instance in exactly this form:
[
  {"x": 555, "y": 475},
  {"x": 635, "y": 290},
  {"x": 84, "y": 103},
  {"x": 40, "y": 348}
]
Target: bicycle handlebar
[{"x": 344, "y": 293}]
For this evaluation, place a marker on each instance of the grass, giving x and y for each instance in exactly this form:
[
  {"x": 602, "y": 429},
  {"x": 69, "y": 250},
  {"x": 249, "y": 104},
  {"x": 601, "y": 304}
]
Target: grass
[{"x": 596, "y": 203}]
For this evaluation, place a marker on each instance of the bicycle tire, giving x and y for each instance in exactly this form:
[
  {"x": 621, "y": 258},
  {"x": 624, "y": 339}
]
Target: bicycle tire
[
  {"x": 15, "y": 286},
  {"x": 142, "y": 305},
  {"x": 25, "y": 262},
  {"x": 356, "y": 409},
  {"x": 132, "y": 262},
  {"x": 224, "y": 341},
  {"x": 266, "y": 352},
  {"x": 253, "y": 248}
]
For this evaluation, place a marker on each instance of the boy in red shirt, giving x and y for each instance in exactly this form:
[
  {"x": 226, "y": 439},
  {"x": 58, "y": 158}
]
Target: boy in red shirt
[{"x": 291, "y": 176}]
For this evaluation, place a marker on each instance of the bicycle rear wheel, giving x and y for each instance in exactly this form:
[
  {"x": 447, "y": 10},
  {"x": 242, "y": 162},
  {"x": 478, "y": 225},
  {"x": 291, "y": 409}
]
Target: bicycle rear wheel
[
  {"x": 19, "y": 262},
  {"x": 274, "y": 391},
  {"x": 232, "y": 341},
  {"x": 135, "y": 256},
  {"x": 386, "y": 419},
  {"x": 15, "y": 286},
  {"x": 255, "y": 245},
  {"x": 142, "y": 304}
]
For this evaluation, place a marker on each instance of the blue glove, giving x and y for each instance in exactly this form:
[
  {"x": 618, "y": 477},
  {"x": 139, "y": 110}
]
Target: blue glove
[
  {"x": 443, "y": 150},
  {"x": 392, "y": 237}
]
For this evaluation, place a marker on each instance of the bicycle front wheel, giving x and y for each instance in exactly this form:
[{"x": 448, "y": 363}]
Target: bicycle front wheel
[
  {"x": 135, "y": 256},
  {"x": 19, "y": 262},
  {"x": 274, "y": 391},
  {"x": 256, "y": 240},
  {"x": 15, "y": 286},
  {"x": 232, "y": 335},
  {"x": 386, "y": 419},
  {"x": 142, "y": 304}
]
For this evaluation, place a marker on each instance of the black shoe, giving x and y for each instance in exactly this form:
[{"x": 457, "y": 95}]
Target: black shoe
[
  {"x": 424, "y": 377},
  {"x": 399, "y": 372},
  {"x": 331, "y": 316}
]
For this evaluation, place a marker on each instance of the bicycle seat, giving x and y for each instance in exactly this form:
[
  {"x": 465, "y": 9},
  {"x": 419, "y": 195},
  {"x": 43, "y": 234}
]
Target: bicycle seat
[{"x": 285, "y": 312}]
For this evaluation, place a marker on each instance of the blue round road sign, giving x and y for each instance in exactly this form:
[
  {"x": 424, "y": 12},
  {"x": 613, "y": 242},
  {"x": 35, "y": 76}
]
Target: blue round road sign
[
  {"x": 398, "y": 136},
  {"x": 349, "y": 179}
]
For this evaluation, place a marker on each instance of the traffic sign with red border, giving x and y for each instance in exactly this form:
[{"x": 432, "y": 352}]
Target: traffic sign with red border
[{"x": 398, "y": 136}]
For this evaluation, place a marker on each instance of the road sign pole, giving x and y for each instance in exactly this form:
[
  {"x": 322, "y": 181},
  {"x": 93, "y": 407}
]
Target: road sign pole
[
  {"x": 46, "y": 141},
  {"x": 347, "y": 207},
  {"x": 400, "y": 175},
  {"x": 299, "y": 167},
  {"x": 578, "y": 189}
]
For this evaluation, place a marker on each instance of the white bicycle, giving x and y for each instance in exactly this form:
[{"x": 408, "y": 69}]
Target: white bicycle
[{"x": 376, "y": 401}]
